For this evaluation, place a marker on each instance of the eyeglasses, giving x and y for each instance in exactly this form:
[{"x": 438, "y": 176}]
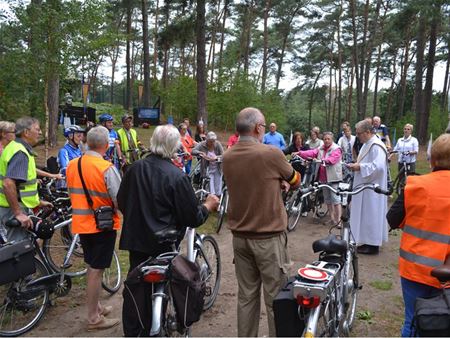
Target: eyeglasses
[{"x": 262, "y": 125}]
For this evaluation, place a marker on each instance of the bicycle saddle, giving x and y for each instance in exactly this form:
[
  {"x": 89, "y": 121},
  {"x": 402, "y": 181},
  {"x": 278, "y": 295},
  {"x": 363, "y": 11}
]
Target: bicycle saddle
[
  {"x": 330, "y": 244},
  {"x": 442, "y": 273},
  {"x": 167, "y": 236}
]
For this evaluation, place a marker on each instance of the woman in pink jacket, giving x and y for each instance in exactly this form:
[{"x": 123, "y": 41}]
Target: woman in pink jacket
[{"x": 330, "y": 171}]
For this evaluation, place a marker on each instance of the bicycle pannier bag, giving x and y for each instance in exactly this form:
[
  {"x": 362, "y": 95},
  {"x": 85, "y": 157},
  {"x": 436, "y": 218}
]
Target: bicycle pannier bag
[
  {"x": 16, "y": 261},
  {"x": 188, "y": 290},
  {"x": 285, "y": 309},
  {"x": 432, "y": 315}
]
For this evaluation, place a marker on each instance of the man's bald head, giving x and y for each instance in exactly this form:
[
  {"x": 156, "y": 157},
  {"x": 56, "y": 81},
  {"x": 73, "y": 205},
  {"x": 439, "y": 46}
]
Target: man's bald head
[{"x": 247, "y": 120}]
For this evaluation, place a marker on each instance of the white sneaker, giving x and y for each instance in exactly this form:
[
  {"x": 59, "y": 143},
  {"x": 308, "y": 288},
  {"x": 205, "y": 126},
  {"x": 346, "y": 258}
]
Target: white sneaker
[{"x": 304, "y": 214}]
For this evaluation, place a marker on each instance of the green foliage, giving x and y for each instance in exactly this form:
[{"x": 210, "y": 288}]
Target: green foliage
[{"x": 364, "y": 315}]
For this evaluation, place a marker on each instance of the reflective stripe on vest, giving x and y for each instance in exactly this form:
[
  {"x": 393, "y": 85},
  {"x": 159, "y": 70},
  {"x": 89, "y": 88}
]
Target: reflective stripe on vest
[
  {"x": 93, "y": 170},
  {"x": 28, "y": 192},
  {"x": 425, "y": 242}
]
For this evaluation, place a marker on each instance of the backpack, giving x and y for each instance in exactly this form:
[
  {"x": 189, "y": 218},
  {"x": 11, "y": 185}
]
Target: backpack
[
  {"x": 188, "y": 290},
  {"x": 432, "y": 315}
]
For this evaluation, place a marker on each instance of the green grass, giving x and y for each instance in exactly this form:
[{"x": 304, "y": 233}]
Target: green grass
[
  {"x": 381, "y": 285},
  {"x": 365, "y": 315}
]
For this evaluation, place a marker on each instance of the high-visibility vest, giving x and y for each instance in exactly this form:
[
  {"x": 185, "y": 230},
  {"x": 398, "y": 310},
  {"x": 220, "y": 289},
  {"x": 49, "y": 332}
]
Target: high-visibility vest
[
  {"x": 28, "y": 191},
  {"x": 124, "y": 145},
  {"x": 425, "y": 241},
  {"x": 93, "y": 170},
  {"x": 188, "y": 142}
]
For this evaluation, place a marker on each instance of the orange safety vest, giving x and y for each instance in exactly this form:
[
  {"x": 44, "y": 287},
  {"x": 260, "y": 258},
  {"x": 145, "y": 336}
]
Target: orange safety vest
[
  {"x": 425, "y": 242},
  {"x": 93, "y": 169}
]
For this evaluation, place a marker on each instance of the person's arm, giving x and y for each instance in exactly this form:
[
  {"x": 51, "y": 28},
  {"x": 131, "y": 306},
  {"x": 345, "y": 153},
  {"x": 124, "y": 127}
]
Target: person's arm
[
  {"x": 112, "y": 180},
  {"x": 123, "y": 195},
  {"x": 285, "y": 170},
  {"x": 63, "y": 160},
  {"x": 312, "y": 153},
  {"x": 415, "y": 147},
  {"x": 396, "y": 214},
  {"x": 377, "y": 163},
  {"x": 282, "y": 142},
  {"x": 43, "y": 173},
  {"x": 188, "y": 213},
  {"x": 198, "y": 149},
  {"x": 334, "y": 157},
  {"x": 388, "y": 140}
]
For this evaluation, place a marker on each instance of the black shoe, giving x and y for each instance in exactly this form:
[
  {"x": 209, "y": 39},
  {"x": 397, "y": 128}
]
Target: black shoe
[{"x": 368, "y": 249}]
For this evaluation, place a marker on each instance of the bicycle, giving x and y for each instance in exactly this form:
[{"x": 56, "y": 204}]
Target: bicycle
[
  {"x": 222, "y": 209},
  {"x": 202, "y": 249},
  {"x": 326, "y": 290},
  {"x": 398, "y": 185},
  {"x": 296, "y": 205}
]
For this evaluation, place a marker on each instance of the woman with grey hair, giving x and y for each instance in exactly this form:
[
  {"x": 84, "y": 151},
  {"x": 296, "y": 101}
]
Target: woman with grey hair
[
  {"x": 7, "y": 133},
  {"x": 210, "y": 152},
  {"x": 165, "y": 141}
]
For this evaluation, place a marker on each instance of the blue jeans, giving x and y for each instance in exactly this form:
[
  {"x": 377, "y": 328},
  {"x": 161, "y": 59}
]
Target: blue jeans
[
  {"x": 187, "y": 166},
  {"x": 412, "y": 290}
]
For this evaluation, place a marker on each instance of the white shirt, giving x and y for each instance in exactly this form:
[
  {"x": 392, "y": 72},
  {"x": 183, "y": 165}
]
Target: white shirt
[
  {"x": 347, "y": 146},
  {"x": 408, "y": 144}
]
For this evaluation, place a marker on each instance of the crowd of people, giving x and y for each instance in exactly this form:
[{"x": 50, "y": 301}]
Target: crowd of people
[{"x": 102, "y": 172}]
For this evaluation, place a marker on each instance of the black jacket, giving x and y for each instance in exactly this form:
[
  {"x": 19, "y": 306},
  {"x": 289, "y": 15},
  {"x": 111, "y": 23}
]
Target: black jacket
[{"x": 155, "y": 195}]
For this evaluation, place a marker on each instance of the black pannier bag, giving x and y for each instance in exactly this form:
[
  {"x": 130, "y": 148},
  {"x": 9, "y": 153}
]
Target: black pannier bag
[
  {"x": 432, "y": 315},
  {"x": 16, "y": 261},
  {"x": 188, "y": 290},
  {"x": 285, "y": 309}
]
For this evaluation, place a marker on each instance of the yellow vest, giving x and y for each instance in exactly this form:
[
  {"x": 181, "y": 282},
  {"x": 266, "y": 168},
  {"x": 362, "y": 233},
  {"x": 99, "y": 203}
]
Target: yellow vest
[
  {"x": 124, "y": 146},
  {"x": 28, "y": 192}
]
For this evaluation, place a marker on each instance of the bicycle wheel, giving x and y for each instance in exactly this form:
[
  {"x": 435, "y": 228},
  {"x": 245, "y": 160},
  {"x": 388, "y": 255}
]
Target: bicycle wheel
[
  {"x": 326, "y": 325},
  {"x": 320, "y": 206},
  {"x": 222, "y": 210},
  {"x": 112, "y": 277},
  {"x": 56, "y": 248},
  {"x": 208, "y": 258},
  {"x": 352, "y": 288},
  {"x": 295, "y": 206},
  {"x": 21, "y": 306}
]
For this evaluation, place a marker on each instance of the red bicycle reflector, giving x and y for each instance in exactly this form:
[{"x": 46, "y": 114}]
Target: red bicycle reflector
[
  {"x": 313, "y": 274},
  {"x": 308, "y": 302},
  {"x": 154, "y": 277}
]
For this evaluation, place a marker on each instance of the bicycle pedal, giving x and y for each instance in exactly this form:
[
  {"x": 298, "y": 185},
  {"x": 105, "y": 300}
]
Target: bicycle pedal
[{"x": 66, "y": 266}]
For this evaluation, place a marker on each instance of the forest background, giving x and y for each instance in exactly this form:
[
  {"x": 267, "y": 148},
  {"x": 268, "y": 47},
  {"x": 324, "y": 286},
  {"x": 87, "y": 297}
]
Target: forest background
[{"x": 209, "y": 59}]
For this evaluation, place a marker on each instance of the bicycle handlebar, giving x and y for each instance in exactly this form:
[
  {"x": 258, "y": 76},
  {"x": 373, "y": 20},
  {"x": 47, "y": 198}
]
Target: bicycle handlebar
[{"x": 341, "y": 192}]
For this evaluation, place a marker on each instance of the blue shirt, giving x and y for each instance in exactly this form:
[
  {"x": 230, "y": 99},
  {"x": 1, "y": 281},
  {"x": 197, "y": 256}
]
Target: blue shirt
[
  {"x": 275, "y": 139},
  {"x": 66, "y": 154}
]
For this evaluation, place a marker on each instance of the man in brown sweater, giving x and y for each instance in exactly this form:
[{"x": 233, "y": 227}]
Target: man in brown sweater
[{"x": 255, "y": 174}]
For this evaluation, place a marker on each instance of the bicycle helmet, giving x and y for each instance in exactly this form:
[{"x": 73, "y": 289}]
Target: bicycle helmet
[
  {"x": 105, "y": 117},
  {"x": 126, "y": 117},
  {"x": 73, "y": 129},
  {"x": 42, "y": 228}
]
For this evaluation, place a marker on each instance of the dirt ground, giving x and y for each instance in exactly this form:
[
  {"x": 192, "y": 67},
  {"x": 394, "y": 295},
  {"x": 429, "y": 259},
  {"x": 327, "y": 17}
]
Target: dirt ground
[{"x": 379, "y": 307}]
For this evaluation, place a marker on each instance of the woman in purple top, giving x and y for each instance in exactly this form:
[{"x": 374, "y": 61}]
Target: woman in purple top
[{"x": 329, "y": 155}]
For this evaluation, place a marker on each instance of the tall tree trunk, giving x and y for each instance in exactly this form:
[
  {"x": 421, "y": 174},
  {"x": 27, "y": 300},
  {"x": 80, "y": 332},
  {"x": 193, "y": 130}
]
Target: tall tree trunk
[
  {"x": 146, "y": 51},
  {"x": 418, "y": 97},
  {"x": 128, "y": 102},
  {"x": 428, "y": 91},
  {"x": 201, "y": 62},
  {"x": 387, "y": 116},
  {"x": 377, "y": 78},
  {"x": 265, "y": 47},
  {"x": 339, "y": 85},
  {"x": 155, "y": 41},
  {"x": 444, "y": 98},
  {"x": 401, "y": 104},
  {"x": 222, "y": 35},
  {"x": 368, "y": 54},
  {"x": 311, "y": 99},
  {"x": 53, "y": 106},
  {"x": 350, "y": 91},
  {"x": 355, "y": 50}
]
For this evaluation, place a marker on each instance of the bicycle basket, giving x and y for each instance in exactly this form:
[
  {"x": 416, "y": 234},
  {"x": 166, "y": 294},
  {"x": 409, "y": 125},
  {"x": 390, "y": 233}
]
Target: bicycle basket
[{"x": 16, "y": 261}]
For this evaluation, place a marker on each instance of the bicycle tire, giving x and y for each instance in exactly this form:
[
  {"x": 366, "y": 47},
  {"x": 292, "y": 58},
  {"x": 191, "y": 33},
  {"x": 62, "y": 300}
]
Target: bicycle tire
[
  {"x": 294, "y": 212},
  {"x": 19, "y": 312},
  {"x": 222, "y": 210},
  {"x": 321, "y": 209},
  {"x": 210, "y": 273},
  {"x": 56, "y": 248},
  {"x": 352, "y": 295},
  {"x": 112, "y": 277}
]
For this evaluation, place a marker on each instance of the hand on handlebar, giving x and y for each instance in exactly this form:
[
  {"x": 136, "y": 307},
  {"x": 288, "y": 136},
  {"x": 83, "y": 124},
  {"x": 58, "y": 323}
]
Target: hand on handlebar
[
  {"x": 24, "y": 220},
  {"x": 285, "y": 186},
  {"x": 45, "y": 204},
  {"x": 354, "y": 166},
  {"x": 211, "y": 202}
]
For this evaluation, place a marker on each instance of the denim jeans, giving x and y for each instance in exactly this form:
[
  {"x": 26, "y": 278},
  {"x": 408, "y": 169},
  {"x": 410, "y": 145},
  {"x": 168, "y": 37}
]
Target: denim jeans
[
  {"x": 412, "y": 290},
  {"x": 187, "y": 166}
]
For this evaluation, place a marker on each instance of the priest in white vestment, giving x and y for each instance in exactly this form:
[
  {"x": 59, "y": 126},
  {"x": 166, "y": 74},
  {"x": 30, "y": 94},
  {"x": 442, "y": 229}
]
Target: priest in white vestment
[{"x": 368, "y": 209}]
